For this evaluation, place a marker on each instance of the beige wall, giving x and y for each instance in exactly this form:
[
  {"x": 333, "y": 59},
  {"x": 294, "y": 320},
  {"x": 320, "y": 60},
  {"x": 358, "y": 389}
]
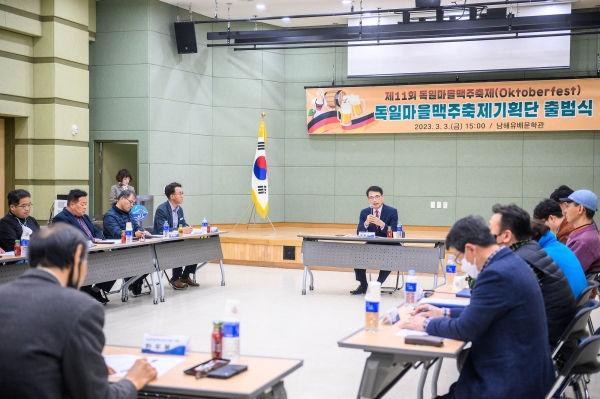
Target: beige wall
[
  {"x": 2, "y": 168},
  {"x": 44, "y": 47}
]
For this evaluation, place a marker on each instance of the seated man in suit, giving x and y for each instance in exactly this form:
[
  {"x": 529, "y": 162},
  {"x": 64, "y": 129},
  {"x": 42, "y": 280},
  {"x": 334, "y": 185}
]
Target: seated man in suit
[
  {"x": 376, "y": 218},
  {"x": 51, "y": 337},
  {"x": 505, "y": 321},
  {"x": 115, "y": 221},
  {"x": 172, "y": 212},
  {"x": 74, "y": 214},
  {"x": 17, "y": 218}
]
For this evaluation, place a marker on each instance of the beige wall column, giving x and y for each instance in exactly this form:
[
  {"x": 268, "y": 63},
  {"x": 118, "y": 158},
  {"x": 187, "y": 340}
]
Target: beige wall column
[{"x": 53, "y": 157}]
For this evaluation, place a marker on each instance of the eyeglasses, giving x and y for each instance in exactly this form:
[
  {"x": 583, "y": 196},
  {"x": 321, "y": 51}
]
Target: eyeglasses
[
  {"x": 458, "y": 262},
  {"x": 181, "y": 193},
  {"x": 130, "y": 201},
  {"x": 374, "y": 198},
  {"x": 496, "y": 235},
  {"x": 569, "y": 203},
  {"x": 25, "y": 206}
]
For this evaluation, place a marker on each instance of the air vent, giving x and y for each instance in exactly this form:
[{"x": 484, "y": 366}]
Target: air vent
[{"x": 289, "y": 253}]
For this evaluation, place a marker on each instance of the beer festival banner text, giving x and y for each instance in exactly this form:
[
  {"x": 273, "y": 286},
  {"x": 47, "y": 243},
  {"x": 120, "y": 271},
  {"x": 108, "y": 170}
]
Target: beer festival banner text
[{"x": 542, "y": 105}]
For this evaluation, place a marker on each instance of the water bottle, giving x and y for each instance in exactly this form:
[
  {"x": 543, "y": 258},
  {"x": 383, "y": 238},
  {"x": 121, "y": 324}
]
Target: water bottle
[
  {"x": 128, "y": 233},
  {"x": 204, "y": 226},
  {"x": 450, "y": 270},
  {"x": 231, "y": 331},
  {"x": 372, "y": 299},
  {"x": 399, "y": 230},
  {"x": 166, "y": 229},
  {"x": 411, "y": 290},
  {"x": 24, "y": 243}
]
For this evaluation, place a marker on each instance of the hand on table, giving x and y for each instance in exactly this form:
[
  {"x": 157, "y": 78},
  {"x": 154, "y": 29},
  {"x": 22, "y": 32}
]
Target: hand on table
[
  {"x": 141, "y": 373},
  {"x": 188, "y": 230},
  {"x": 414, "y": 323},
  {"x": 428, "y": 311},
  {"x": 1, "y": 251},
  {"x": 138, "y": 234},
  {"x": 111, "y": 371}
]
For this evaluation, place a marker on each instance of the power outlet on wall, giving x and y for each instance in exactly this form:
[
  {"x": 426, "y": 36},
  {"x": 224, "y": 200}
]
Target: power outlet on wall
[{"x": 432, "y": 204}]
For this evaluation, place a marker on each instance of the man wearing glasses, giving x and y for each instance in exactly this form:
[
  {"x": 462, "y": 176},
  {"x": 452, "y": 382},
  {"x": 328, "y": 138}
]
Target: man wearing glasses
[
  {"x": 115, "y": 221},
  {"x": 374, "y": 219},
  {"x": 505, "y": 320},
  {"x": 11, "y": 225},
  {"x": 172, "y": 212}
]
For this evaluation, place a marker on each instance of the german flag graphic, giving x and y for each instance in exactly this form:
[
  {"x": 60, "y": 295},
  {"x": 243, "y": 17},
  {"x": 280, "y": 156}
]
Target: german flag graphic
[{"x": 328, "y": 121}]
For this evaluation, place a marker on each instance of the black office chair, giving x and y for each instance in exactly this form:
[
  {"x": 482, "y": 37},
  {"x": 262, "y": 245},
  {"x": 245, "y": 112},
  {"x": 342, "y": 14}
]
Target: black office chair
[
  {"x": 593, "y": 282},
  {"x": 584, "y": 361},
  {"x": 585, "y": 293},
  {"x": 577, "y": 329}
]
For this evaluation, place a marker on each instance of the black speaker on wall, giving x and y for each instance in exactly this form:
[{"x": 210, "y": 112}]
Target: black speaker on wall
[{"x": 185, "y": 34}]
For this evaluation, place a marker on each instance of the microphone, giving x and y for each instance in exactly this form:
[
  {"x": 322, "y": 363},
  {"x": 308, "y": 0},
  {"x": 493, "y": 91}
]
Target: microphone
[{"x": 372, "y": 209}]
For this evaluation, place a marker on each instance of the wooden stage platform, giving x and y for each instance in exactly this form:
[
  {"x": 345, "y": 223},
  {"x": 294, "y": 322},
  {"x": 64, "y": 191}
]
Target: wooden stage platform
[{"x": 259, "y": 245}]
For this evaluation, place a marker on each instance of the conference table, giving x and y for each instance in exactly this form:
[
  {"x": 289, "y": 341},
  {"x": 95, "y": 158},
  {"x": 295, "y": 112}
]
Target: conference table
[
  {"x": 113, "y": 261},
  {"x": 343, "y": 252},
  {"x": 391, "y": 358},
  {"x": 262, "y": 380}
]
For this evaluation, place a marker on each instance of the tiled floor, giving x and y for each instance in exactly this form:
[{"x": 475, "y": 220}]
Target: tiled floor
[{"x": 278, "y": 321}]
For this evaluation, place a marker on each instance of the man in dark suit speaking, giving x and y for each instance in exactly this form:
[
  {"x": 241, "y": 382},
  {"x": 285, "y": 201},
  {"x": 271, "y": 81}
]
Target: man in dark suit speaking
[
  {"x": 51, "y": 336},
  {"x": 375, "y": 219}
]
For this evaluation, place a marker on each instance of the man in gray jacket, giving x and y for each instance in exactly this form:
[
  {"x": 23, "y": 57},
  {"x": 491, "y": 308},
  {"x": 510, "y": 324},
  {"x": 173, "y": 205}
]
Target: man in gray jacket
[{"x": 51, "y": 336}]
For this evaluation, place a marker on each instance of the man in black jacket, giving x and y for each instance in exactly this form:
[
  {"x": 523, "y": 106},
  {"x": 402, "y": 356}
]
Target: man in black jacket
[
  {"x": 51, "y": 336},
  {"x": 11, "y": 225},
  {"x": 74, "y": 214},
  {"x": 115, "y": 221},
  {"x": 511, "y": 226}
]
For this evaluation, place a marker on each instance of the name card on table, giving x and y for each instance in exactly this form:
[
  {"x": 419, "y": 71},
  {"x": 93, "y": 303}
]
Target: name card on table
[
  {"x": 165, "y": 344},
  {"x": 391, "y": 316},
  {"x": 366, "y": 234}
]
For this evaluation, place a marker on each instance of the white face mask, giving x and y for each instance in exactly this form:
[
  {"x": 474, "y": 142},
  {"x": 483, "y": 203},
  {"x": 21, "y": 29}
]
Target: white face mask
[{"x": 470, "y": 268}]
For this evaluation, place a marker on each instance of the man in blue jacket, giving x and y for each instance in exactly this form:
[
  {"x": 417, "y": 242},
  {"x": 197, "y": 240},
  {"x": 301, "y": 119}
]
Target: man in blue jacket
[
  {"x": 377, "y": 218},
  {"x": 505, "y": 320},
  {"x": 561, "y": 255},
  {"x": 172, "y": 212},
  {"x": 115, "y": 221},
  {"x": 74, "y": 214}
]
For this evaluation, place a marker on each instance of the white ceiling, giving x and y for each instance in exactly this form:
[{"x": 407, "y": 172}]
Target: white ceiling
[{"x": 247, "y": 8}]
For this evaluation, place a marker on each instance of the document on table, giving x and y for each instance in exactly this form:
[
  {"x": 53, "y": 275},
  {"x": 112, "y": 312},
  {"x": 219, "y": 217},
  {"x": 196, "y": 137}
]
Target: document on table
[
  {"x": 404, "y": 332},
  {"x": 122, "y": 363},
  {"x": 9, "y": 253}
]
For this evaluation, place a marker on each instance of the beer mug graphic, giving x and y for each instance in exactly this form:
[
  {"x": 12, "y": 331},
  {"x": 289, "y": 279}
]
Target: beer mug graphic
[
  {"x": 344, "y": 115},
  {"x": 358, "y": 105}
]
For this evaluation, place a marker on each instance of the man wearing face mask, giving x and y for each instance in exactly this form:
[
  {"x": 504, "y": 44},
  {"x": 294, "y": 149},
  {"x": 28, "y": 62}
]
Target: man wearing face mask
[
  {"x": 51, "y": 336},
  {"x": 506, "y": 330},
  {"x": 17, "y": 219},
  {"x": 511, "y": 227}
]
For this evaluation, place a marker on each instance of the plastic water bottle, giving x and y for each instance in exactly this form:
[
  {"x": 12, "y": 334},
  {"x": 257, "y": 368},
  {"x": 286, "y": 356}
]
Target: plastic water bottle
[
  {"x": 24, "y": 243},
  {"x": 231, "y": 330},
  {"x": 128, "y": 233},
  {"x": 204, "y": 226},
  {"x": 450, "y": 270},
  {"x": 399, "y": 230},
  {"x": 411, "y": 290},
  {"x": 166, "y": 229},
  {"x": 372, "y": 299}
]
